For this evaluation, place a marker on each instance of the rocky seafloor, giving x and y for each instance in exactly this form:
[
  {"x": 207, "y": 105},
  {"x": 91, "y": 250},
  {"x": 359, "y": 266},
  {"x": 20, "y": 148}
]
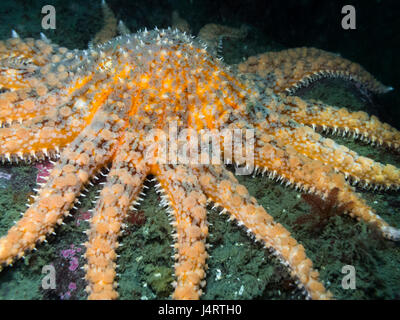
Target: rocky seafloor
[{"x": 238, "y": 267}]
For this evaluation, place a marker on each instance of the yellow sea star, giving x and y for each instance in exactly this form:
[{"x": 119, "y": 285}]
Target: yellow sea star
[{"x": 101, "y": 107}]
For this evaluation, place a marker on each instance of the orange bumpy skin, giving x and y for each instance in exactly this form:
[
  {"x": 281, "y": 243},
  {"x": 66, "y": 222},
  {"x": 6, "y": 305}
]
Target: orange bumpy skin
[{"x": 96, "y": 108}]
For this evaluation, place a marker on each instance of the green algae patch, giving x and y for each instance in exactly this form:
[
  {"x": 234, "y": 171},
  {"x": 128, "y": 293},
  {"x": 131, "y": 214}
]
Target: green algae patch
[
  {"x": 146, "y": 263},
  {"x": 239, "y": 268},
  {"x": 159, "y": 279}
]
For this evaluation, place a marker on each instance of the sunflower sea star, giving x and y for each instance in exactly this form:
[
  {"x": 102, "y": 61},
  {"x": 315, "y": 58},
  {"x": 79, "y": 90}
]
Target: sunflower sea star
[
  {"x": 95, "y": 108},
  {"x": 289, "y": 70}
]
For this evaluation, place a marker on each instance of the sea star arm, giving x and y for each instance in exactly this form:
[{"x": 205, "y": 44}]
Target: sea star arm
[
  {"x": 341, "y": 121},
  {"x": 25, "y": 110},
  {"x": 362, "y": 170},
  {"x": 124, "y": 183},
  {"x": 224, "y": 190},
  {"x": 187, "y": 203},
  {"x": 90, "y": 151},
  {"x": 26, "y": 52},
  {"x": 55, "y": 130},
  {"x": 19, "y": 142},
  {"x": 22, "y": 80},
  {"x": 40, "y": 79},
  {"x": 31, "y": 69},
  {"x": 40, "y": 101},
  {"x": 283, "y": 162},
  {"x": 44, "y": 134},
  {"x": 110, "y": 27},
  {"x": 212, "y": 35},
  {"x": 289, "y": 70}
]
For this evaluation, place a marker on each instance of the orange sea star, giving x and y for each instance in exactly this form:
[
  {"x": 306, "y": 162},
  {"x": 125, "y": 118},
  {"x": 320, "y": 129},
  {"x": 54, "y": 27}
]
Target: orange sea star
[{"x": 96, "y": 108}]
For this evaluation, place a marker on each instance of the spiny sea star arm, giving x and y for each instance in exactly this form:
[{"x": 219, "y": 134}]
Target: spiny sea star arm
[
  {"x": 40, "y": 78},
  {"x": 28, "y": 53},
  {"x": 187, "y": 203},
  {"x": 288, "y": 166},
  {"x": 27, "y": 90},
  {"x": 20, "y": 143},
  {"x": 91, "y": 150},
  {"x": 212, "y": 34},
  {"x": 224, "y": 190},
  {"x": 53, "y": 131},
  {"x": 341, "y": 121},
  {"x": 53, "y": 202},
  {"x": 124, "y": 183},
  {"x": 25, "y": 141},
  {"x": 110, "y": 27},
  {"x": 289, "y": 70},
  {"x": 17, "y": 106},
  {"x": 40, "y": 100},
  {"x": 362, "y": 170}
]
